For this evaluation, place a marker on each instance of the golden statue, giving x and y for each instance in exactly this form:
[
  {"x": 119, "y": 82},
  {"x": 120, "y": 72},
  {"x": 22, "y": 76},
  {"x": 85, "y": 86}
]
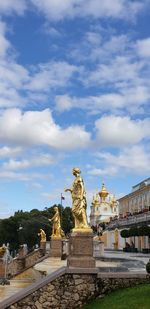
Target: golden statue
[
  {"x": 2, "y": 251},
  {"x": 56, "y": 228},
  {"x": 79, "y": 204},
  {"x": 43, "y": 235}
]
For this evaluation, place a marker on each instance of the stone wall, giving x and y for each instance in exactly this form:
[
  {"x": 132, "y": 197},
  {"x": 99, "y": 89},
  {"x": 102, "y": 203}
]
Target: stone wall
[
  {"x": 18, "y": 264},
  {"x": 72, "y": 290}
]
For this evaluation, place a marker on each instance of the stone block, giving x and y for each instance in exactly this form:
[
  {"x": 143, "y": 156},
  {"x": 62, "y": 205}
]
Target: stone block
[
  {"x": 56, "y": 247},
  {"x": 81, "y": 250}
]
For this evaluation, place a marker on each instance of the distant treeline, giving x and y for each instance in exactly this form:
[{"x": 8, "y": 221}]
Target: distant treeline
[{"x": 24, "y": 226}]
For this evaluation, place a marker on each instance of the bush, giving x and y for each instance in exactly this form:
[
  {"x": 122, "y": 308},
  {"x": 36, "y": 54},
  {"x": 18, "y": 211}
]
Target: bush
[
  {"x": 148, "y": 267},
  {"x": 124, "y": 233}
]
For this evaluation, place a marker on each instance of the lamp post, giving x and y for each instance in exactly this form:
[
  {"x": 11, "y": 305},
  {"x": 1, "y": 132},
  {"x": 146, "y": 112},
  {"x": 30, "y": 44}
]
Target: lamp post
[{"x": 20, "y": 235}]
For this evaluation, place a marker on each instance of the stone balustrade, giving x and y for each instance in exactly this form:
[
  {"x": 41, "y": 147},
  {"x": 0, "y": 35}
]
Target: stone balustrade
[{"x": 144, "y": 217}]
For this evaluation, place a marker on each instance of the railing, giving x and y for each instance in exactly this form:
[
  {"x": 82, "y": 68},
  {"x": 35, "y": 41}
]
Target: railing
[{"x": 145, "y": 217}]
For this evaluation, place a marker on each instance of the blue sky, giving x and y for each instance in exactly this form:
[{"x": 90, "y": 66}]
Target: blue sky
[{"x": 74, "y": 91}]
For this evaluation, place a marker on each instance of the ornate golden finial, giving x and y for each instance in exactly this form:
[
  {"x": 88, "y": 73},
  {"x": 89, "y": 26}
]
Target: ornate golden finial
[{"x": 103, "y": 193}]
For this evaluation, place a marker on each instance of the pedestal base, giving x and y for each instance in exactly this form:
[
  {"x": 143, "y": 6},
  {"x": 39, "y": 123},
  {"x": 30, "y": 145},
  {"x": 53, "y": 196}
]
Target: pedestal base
[
  {"x": 81, "y": 250},
  {"x": 43, "y": 246},
  {"x": 98, "y": 247},
  {"x": 2, "y": 269},
  {"x": 56, "y": 247}
]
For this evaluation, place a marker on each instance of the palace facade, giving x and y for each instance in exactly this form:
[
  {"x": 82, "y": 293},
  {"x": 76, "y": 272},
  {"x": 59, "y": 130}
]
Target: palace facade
[
  {"x": 137, "y": 201},
  {"x": 134, "y": 210}
]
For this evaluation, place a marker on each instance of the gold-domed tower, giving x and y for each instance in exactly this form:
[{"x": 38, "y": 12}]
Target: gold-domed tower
[
  {"x": 103, "y": 193},
  {"x": 103, "y": 207}
]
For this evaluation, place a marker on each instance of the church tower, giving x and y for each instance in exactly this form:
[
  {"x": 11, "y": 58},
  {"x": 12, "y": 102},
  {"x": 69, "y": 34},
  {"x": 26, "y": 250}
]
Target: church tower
[{"x": 103, "y": 207}]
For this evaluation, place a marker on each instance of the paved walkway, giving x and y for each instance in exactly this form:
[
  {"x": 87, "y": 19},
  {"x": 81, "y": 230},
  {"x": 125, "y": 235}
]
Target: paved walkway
[{"x": 129, "y": 260}]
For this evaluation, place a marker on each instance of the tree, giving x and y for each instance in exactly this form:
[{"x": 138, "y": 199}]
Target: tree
[
  {"x": 133, "y": 232},
  {"x": 125, "y": 234},
  {"x": 23, "y": 227},
  {"x": 67, "y": 220},
  {"x": 144, "y": 230}
]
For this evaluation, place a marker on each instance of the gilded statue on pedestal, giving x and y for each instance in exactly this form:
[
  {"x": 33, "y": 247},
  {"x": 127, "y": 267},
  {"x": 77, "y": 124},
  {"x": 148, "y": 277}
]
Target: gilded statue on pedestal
[
  {"x": 56, "y": 228},
  {"x": 79, "y": 204},
  {"x": 42, "y": 235}
]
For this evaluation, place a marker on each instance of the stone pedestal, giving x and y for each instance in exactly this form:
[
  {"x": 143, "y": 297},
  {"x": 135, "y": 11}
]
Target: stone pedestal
[
  {"x": 56, "y": 247},
  {"x": 2, "y": 269},
  {"x": 43, "y": 246},
  {"x": 98, "y": 247},
  {"x": 81, "y": 250},
  {"x": 23, "y": 251}
]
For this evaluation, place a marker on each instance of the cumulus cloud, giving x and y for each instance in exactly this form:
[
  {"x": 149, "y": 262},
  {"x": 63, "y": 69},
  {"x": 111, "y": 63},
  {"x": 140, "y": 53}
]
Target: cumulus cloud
[
  {"x": 8, "y": 7},
  {"x": 4, "y": 43},
  {"x": 108, "y": 171},
  {"x": 40, "y": 160},
  {"x": 6, "y": 151},
  {"x": 51, "y": 75},
  {"x": 58, "y": 10},
  {"x": 131, "y": 100},
  {"x": 119, "y": 131},
  {"x": 39, "y": 128},
  {"x": 143, "y": 47},
  {"x": 131, "y": 160}
]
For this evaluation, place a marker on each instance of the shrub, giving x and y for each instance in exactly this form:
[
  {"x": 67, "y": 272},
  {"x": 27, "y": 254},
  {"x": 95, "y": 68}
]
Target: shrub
[{"x": 148, "y": 267}]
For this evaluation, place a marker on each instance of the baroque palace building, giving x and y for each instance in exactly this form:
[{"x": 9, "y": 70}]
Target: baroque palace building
[
  {"x": 137, "y": 201},
  {"x": 103, "y": 207},
  {"x": 134, "y": 210}
]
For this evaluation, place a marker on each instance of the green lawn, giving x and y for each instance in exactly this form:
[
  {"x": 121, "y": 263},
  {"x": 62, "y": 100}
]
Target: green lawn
[{"x": 137, "y": 297}]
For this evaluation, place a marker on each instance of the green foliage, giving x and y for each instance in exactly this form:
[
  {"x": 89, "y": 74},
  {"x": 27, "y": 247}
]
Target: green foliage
[
  {"x": 148, "y": 267},
  {"x": 144, "y": 230},
  {"x": 124, "y": 233},
  {"x": 67, "y": 220},
  {"x": 136, "y": 298},
  {"x": 23, "y": 227},
  {"x": 134, "y": 231}
]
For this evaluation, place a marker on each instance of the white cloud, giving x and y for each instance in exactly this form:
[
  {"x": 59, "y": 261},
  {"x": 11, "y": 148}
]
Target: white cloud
[
  {"x": 10, "y": 151},
  {"x": 8, "y": 7},
  {"x": 108, "y": 171},
  {"x": 9, "y": 175},
  {"x": 135, "y": 160},
  {"x": 130, "y": 99},
  {"x": 143, "y": 47},
  {"x": 39, "y": 128},
  {"x": 119, "y": 131},
  {"x": 4, "y": 43},
  {"x": 58, "y": 9},
  {"x": 51, "y": 75},
  {"x": 39, "y": 160},
  {"x": 120, "y": 69}
]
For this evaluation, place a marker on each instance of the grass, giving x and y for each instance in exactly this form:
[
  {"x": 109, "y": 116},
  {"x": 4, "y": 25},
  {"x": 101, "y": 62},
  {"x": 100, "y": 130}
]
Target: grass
[{"x": 137, "y": 297}]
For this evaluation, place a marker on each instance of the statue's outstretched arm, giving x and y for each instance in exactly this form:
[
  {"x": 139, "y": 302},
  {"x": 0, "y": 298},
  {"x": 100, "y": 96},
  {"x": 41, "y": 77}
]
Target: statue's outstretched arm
[
  {"x": 68, "y": 190},
  {"x": 52, "y": 219}
]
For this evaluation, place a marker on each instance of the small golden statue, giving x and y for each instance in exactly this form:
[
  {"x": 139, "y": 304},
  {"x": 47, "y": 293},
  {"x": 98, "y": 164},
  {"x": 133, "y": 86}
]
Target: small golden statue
[
  {"x": 2, "y": 250},
  {"x": 56, "y": 228},
  {"x": 42, "y": 235},
  {"x": 79, "y": 204}
]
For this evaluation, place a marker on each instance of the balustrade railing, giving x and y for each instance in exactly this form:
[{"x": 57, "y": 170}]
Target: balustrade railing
[{"x": 145, "y": 217}]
